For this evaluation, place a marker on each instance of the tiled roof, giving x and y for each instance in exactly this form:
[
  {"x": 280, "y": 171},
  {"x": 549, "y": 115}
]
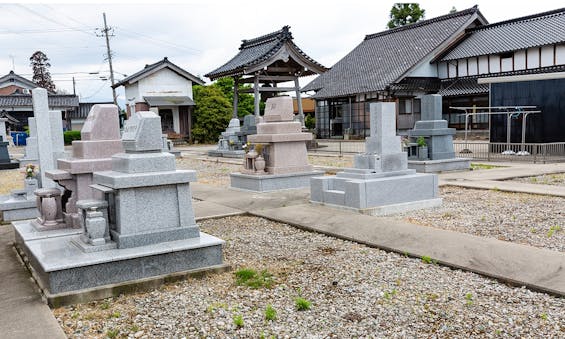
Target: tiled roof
[
  {"x": 54, "y": 100},
  {"x": 382, "y": 58},
  {"x": 30, "y": 84},
  {"x": 150, "y": 69},
  {"x": 521, "y": 33},
  {"x": 466, "y": 86},
  {"x": 257, "y": 50},
  {"x": 417, "y": 84}
]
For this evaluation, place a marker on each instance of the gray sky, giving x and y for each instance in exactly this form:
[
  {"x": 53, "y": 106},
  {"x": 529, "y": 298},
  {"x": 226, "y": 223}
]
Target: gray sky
[{"x": 197, "y": 35}]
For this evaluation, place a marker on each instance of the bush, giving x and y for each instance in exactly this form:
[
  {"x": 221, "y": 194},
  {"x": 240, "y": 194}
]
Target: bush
[
  {"x": 212, "y": 114},
  {"x": 310, "y": 122},
  {"x": 69, "y": 136}
]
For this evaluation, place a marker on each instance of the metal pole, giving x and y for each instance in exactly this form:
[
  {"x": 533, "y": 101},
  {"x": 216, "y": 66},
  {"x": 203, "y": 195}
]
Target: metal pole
[
  {"x": 508, "y": 123},
  {"x": 257, "y": 96},
  {"x": 299, "y": 102},
  {"x": 235, "y": 96},
  {"x": 106, "y": 29},
  {"x": 74, "y": 87},
  {"x": 525, "y": 115}
]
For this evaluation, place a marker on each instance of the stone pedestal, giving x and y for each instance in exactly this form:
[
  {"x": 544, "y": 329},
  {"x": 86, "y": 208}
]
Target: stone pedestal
[
  {"x": 144, "y": 229},
  {"x": 439, "y": 140},
  {"x": 283, "y": 147},
  {"x": 230, "y": 144},
  {"x": 380, "y": 183}
]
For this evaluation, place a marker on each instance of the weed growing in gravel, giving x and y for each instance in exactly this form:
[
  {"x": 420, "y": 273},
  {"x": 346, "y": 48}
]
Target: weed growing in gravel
[
  {"x": 270, "y": 313},
  {"x": 302, "y": 304},
  {"x": 115, "y": 314},
  {"x": 552, "y": 230},
  {"x": 134, "y": 328},
  {"x": 543, "y": 316},
  {"x": 428, "y": 260},
  {"x": 238, "y": 321},
  {"x": 250, "y": 278},
  {"x": 75, "y": 315},
  {"x": 469, "y": 298},
  {"x": 112, "y": 333},
  {"x": 390, "y": 294},
  {"x": 213, "y": 307},
  {"x": 105, "y": 305},
  {"x": 534, "y": 230},
  {"x": 482, "y": 166}
]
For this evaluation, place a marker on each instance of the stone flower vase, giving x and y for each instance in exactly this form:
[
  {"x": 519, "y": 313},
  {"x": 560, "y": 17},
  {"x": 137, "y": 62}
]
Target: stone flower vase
[
  {"x": 423, "y": 153},
  {"x": 260, "y": 164}
]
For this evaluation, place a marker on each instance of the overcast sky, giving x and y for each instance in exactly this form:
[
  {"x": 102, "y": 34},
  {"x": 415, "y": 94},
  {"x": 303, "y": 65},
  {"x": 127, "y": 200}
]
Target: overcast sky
[{"x": 197, "y": 35}]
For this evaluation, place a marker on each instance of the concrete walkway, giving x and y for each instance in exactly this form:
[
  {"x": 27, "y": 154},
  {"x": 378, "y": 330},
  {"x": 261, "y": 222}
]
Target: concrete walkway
[
  {"x": 509, "y": 262},
  {"x": 22, "y": 312}
]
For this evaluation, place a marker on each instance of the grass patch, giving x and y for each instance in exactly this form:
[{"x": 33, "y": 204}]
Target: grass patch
[
  {"x": 302, "y": 304},
  {"x": 476, "y": 166},
  {"x": 552, "y": 230},
  {"x": 428, "y": 260},
  {"x": 238, "y": 320},
  {"x": 112, "y": 333},
  {"x": 270, "y": 313},
  {"x": 253, "y": 279}
]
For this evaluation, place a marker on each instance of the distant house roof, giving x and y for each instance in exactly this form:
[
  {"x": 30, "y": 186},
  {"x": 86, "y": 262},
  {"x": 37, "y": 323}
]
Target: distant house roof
[
  {"x": 259, "y": 50},
  {"x": 387, "y": 57},
  {"x": 520, "y": 33},
  {"x": 54, "y": 100},
  {"x": 13, "y": 76},
  {"x": 84, "y": 109},
  {"x": 150, "y": 69}
]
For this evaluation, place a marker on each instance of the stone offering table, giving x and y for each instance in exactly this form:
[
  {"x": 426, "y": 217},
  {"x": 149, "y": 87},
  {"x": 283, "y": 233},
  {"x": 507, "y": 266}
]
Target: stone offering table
[
  {"x": 380, "y": 183},
  {"x": 283, "y": 148}
]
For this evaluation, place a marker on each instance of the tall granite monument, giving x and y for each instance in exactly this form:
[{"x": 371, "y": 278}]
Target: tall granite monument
[{"x": 380, "y": 183}]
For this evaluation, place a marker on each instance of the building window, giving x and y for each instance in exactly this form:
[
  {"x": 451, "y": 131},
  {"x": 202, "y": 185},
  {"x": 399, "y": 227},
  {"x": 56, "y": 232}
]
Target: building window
[{"x": 405, "y": 106}]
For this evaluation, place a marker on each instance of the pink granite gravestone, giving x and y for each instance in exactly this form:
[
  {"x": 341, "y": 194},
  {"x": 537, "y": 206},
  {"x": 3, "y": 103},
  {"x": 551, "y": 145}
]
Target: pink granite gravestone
[
  {"x": 278, "y": 158},
  {"x": 100, "y": 139}
]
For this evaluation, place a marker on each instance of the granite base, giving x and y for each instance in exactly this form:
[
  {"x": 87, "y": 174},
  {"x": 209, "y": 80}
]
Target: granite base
[
  {"x": 389, "y": 209},
  {"x": 436, "y": 166},
  {"x": 271, "y": 182},
  {"x": 9, "y": 165},
  {"x": 13, "y": 210},
  {"x": 59, "y": 266},
  {"x": 227, "y": 153},
  {"x": 412, "y": 190}
]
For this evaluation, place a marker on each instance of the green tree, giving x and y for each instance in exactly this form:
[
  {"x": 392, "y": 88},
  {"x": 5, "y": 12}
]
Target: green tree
[
  {"x": 453, "y": 10},
  {"x": 245, "y": 101},
  {"x": 405, "y": 13},
  {"x": 212, "y": 113},
  {"x": 39, "y": 63}
]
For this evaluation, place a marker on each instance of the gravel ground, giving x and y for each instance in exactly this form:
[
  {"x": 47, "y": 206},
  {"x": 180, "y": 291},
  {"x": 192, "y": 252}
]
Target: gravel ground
[
  {"x": 548, "y": 179},
  {"x": 529, "y": 219},
  {"x": 355, "y": 291},
  {"x": 10, "y": 180}
]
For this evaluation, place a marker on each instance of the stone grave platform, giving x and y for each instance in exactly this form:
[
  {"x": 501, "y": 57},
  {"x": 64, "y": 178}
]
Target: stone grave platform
[{"x": 380, "y": 183}]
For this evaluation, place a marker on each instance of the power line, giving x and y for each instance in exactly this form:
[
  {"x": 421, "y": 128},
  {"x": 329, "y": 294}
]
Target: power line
[
  {"x": 50, "y": 19},
  {"x": 138, "y": 35}
]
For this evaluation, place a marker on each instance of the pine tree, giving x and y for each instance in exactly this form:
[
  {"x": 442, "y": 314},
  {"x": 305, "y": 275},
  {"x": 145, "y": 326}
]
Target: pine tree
[
  {"x": 39, "y": 63},
  {"x": 405, "y": 13}
]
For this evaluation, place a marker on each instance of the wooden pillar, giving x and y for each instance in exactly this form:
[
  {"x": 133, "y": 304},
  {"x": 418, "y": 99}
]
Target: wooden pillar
[
  {"x": 299, "y": 102},
  {"x": 257, "y": 95},
  {"x": 235, "y": 96}
]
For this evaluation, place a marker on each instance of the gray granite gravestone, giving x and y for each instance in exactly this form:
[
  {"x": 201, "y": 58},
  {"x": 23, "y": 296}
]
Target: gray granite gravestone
[
  {"x": 5, "y": 161},
  {"x": 31, "y": 155},
  {"x": 380, "y": 183},
  {"x": 438, "y": 137},
  {"x": 230, "y": 143},
  {"x": 3, "y": 134},
  {"x": 144, "y": 229}
]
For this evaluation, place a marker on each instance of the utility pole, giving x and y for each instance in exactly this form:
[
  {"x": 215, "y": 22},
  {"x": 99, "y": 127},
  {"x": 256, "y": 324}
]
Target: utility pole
[
  {"x": 105, "y": 31},
  {"x": 74, "y": 87}
]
